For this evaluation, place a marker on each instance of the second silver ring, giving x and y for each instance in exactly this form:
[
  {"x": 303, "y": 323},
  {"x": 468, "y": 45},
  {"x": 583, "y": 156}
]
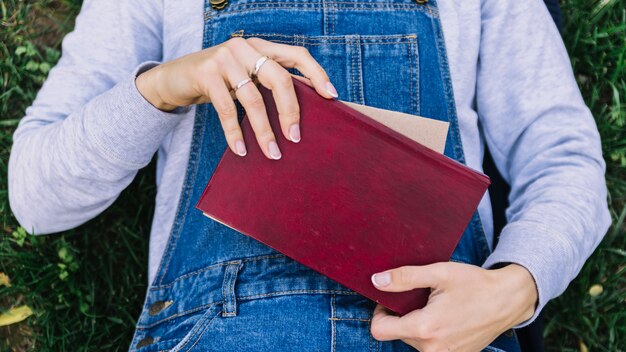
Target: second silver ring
[
  {"x": 258, "y": 64},
  {"x": 242, "y": 83}
]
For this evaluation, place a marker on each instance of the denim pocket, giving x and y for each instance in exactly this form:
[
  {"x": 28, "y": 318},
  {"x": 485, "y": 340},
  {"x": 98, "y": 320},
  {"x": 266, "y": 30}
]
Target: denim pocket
[
  {"x": 202, "y": 325},
  {"x": 281, "y": 322},
  {"x": 376, "y": 70},
  {"x": 177, "y": 333}
]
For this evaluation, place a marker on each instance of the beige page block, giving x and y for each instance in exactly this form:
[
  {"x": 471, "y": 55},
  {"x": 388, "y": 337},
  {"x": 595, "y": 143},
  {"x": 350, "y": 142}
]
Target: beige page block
[{"x": 425, "y": 131}]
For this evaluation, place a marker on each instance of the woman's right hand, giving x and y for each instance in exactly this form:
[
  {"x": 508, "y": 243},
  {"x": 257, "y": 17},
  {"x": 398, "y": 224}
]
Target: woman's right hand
[{"x": 211, "y": 74}]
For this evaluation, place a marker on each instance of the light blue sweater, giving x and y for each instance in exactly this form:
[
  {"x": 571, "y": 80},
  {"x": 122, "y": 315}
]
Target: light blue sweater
[{"x": 89, "y": 130}]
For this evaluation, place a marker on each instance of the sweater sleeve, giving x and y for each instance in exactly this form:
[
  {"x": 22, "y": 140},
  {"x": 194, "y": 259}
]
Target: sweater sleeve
[
  {"x": 89, "y": 130},
  {"x": 545, "y": 143}
]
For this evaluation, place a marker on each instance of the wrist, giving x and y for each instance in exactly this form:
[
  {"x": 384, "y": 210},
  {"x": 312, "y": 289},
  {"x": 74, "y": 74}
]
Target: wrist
[
  {"x": 147, "y": 87},
  {"x": 517, "y": 284}
]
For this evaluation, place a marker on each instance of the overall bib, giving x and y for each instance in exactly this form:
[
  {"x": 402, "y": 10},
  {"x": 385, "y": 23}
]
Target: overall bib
[{"x": 219, "y": 290}]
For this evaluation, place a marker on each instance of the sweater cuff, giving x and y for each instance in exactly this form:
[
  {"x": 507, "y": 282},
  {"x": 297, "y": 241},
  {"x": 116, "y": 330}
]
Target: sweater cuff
[
  {"x": 124, "y": 126},
  {"x": 538, "y": 250}
]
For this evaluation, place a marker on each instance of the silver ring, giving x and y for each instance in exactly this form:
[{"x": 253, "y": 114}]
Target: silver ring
[
  {"x": 242, "y": 83},
  {"x": 258, "y": 64}
]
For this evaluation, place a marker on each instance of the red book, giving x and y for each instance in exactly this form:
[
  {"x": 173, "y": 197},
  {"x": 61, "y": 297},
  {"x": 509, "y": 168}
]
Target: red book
[{"x": 351, "y": 199}]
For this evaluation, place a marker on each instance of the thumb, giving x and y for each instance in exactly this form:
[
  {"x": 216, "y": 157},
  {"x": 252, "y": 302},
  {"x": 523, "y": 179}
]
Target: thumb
[{"x": 406, "y": 278}]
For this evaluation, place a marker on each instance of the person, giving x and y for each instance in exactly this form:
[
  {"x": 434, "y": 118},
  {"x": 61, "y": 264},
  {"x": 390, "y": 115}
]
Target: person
[
  {"x": 530, "y": 336},
  {"x": 162, "y": 77}
]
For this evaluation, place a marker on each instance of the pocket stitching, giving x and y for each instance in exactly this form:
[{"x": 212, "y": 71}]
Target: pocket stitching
[
  {"x": 198, "y": 330},
  {"x": 379, "y": 39},
  {"x": 354, "y": 65},
  {"x": 177, "y": 315},
  {"x": 315, "y": 6}
]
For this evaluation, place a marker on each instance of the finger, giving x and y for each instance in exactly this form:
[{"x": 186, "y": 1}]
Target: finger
[
  {"x": 279, "y": 81},
  {"x": 406, "y": 278},
  {"x": 386, "y": 326},
  {"x": 297, "y": 57},
  {"x": 303, "y": 80},
  {"x": 223, "y": 103},
  {"x": 252, "y": 102}
]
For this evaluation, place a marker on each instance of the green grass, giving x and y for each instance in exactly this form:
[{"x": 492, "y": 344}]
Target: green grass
[
  {"x": 86, "y": 286},
  {"x": 595, "y": 35}
]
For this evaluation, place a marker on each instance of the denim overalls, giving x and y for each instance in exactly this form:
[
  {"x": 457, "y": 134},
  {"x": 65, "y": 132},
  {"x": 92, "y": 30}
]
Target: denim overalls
[{"x": 218, "y": 290}]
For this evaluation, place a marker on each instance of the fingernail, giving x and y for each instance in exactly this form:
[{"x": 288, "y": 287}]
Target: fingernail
[
  {"x": 294, "y": 133},
  {"x": 241, "y": 148},
  {"x": 274, "y": 151},
  {"x": 381, "y": 279},
  {"x": 331, "y": 90}
]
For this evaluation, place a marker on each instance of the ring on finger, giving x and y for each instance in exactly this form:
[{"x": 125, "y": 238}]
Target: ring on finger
[
  {"x": 258, "y": 64},
  {"x": 242, "y": 83}
]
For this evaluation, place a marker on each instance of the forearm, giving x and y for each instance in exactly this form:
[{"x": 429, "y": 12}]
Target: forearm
[
  {"x": 553, "y": 238},
  {"x": 64, "y": 173},
  {"x": 545, "y": 142}
]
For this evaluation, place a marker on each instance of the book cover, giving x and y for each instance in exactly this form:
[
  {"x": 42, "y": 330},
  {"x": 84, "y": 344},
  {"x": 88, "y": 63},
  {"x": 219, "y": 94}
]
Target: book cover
[{"x": 352, "y": 198}]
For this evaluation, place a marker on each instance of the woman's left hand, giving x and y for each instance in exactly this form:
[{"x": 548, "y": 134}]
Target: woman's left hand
[{"x": 468, "y": 307}]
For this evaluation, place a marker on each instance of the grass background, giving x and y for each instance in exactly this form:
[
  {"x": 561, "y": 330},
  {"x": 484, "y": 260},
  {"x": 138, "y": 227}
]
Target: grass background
[{"x": 86, "y": 286}]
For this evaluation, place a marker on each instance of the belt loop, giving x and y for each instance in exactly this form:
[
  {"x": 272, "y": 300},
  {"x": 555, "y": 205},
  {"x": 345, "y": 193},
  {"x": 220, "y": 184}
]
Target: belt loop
[{"x": 228, "y": 288}]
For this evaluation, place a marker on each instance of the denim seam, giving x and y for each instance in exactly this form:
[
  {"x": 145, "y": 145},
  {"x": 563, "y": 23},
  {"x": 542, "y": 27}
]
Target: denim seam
[
  {"x": 353, "y": 78},
  {"x": 333, "y": 325},
  {"x": 336, "y": 43},
  {"x": 290, "y": 292},
  {"x": 333, "y": 16},
  {"x": 247, "y": 298},
  {"x": 257, "y": 3},
  {"x": 365, "y": 38},
  {"x": 411, "y": 70},
  {"x": 374, "y": 342},
  {"x": 325, "y": 16},
  {"x": 197, "y": 272},
  {"x": 360, "y": 69},
  {"x": 369, "y": 342},
  {"x": 305, "y": 8},
  {"x": 195, "y": 331},
  {"x": 416, "y": 65},
  {"x": 213, "y": 266},
  {"x": 203, "y": 332},
  {"x": 360, "y": 43},
  {"x": 350, "y": 319},
  {"x": 177, "y": 315},
  {"x": 342, "y": 5}
]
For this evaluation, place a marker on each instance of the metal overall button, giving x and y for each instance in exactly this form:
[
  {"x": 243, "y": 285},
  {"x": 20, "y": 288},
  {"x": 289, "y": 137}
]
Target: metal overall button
[
  {"x": 218, "y": 4},
  {"x": 158, "y": 306},
  {"x": 421, "y": 2},
  {"x": 148, "y": 340}
]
